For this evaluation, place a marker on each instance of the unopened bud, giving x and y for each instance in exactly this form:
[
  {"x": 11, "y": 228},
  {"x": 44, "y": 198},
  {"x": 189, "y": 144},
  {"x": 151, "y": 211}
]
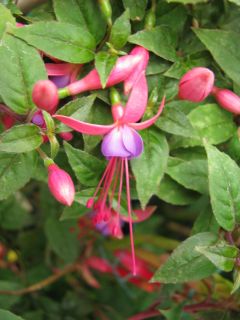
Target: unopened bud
[
  {"x": 227, "y": 99},
  {"x": 67, "y": 136},
  {"x": 61, "y": 185},
  {"x": 196, "y": 84},
  {"x": 45, "y": 95}
]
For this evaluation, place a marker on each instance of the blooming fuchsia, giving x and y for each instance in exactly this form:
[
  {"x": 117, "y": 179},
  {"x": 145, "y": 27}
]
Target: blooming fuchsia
[
  {"x": 196, "y": 84},
  {"x": 227, "y": 99},
  {"x": 121, "y": 142},
  {"x": 62, "y": 74},
  {"x": 124, "y": 67}
]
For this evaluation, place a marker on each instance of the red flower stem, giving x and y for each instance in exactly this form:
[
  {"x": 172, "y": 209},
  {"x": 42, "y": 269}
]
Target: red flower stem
[{"x": 130, "y": 216}]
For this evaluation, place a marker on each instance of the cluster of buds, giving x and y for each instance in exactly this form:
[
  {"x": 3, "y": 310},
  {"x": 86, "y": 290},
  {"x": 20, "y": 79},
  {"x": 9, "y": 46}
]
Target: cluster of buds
[{"x": 198, "y": 83}]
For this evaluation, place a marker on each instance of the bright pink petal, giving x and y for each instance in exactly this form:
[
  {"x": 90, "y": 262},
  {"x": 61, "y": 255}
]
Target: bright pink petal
[
  {"x": 58, "y": 69},
  {"x": 137, "y": 101},
  {"x": 148, "y": 123},
  {"x": 140, "y": 215},
  {"x": 83, "y": 127}
]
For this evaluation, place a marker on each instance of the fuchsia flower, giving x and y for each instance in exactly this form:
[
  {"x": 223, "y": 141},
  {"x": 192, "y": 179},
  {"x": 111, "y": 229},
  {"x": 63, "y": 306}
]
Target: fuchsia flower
[
  {"x": 140, "y": 67},
  {"x": 62, "y": 74},
  {"x": 227, "y": 99},
  {"x": 123, "y": 68},
  {"x": 61, "y": 185},
  {"x": 121, "y": 142},
  {"x": 196, "y": 84},
  {"x": 45, "y": 95}
]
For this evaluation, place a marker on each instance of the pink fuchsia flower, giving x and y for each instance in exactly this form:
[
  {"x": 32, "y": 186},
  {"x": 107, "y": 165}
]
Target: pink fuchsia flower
[
  {"x": 196, "y": 84},
  {"x": 140, "y": 67},
  {"x": 62, "y": 74},
  {"x": 61, "y": 185},
  {"x": 121, "y": 142},
  {"x": 45, "y": 95},
  {"x": 123, "y": 68},
  {"x": 227, "y": 99}
]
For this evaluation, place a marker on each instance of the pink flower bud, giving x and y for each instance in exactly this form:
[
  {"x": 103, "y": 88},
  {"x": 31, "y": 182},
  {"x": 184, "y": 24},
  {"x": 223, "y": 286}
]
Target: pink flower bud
[
  {"x": 60, "y": 185},
  {"x": 196, "y": 84},
  {"x": 227, "y": 99},
  {"x": 66, "y": 136},
  {"x": 45, "y": 95},
  {"x": 7, "y": 121},
  {"x": 123, "y": 68}
]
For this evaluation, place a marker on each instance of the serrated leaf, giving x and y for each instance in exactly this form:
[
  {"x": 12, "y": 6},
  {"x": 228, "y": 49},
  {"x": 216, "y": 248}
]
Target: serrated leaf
[
  {"x": 19, "y": 139},
  {"x": 6, "y": 17},
  {"x": 15, "y": 171},
  {"x": 222, "y": 255},
  {"x": 136, "y": 8},
  {"x": 172, "y": 192},
  {"x": 225, "y": 49},
  {"x": 224, "y": 177},
  {"x": 149, "y": 168},
  {"x": 186, "y": 263},
  {"x": 61, "y": 40},
  {"x": 81, "y": 14},
  {"x": 158, "y": 40},
  {"x": 104, "y": 63},
  {"x": 191, "y": 174},
  {"x": 23, "y": 68},
  {"x": 88, "y": 169},
  {"x": 120, "y": 31}
]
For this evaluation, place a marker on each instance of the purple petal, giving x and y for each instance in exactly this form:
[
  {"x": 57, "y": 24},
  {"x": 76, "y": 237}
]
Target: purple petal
[
  {"x": 112, "y": 145},
  {"x": 132, "y": 141},
  {"x": 60, "y": 81}
]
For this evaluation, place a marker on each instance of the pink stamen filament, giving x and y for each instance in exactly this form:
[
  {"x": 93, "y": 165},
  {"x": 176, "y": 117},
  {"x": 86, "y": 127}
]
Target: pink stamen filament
[
  {"x": 116, "y": 179},
  {"x": 130, "y": 217}
]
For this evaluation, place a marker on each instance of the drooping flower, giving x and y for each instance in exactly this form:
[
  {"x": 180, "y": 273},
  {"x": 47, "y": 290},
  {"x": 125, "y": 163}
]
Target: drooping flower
[
  {"x": 61, "y": 185},
  {"x": 45, "y": 95},
  {"x": 196, "y": 84},
  {"x": 121, "y": 143},
  {"x": 62, "y": 74},
  {"x": 121, "y": 71},
  {"x": 227, "y": 99}
]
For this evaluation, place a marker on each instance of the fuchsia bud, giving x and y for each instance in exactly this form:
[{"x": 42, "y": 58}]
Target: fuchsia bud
[
  {"x": 67, "y": 136},
  {"x": 123, "y": 68},
  {"x": 45, "y": 95},
  {"x": 227, "y": 99},
  {"x": 196, "y": 84},
  {"x": 60, "y": 185},
  {"x": 7, "y": 121}
]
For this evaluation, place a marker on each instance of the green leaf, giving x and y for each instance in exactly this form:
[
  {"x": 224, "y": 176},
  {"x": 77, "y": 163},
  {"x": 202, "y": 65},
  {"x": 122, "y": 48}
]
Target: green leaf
[
  {"x": 13, "y": 214},
  {"x": 174, "y": 121},
  {"x": 172, "y": 192},
  {"x": 19, "y": 139},
  {"x": 88, "y": 169},
  {"x": 104, "y": 63},
  {"x": 213, "y": 123},
  {"x": 74, "y": 212},
  {"x": 61, "y": 240},
  {"x": 187, "y": 1},
  {"x": 6, "y": 17},
  {"x": 191, "y": 174},
  {"x": 81, "y": 14},
  {"x": 224, "y": 177},
  {"x": 7, "y": 315},
  {"x": 222, "y": 255},
  {"x": 157, "y": 40},
  {"x": 120, "y": 31},
  {"x": 136, "y": 8},
  {"x": 6, "y": 301},
  {"x": 186, "y": 263},
  {"x": 15, "y": 171},
  {"x": 149, "y": 168},
  {"x": 237, "y": 2},
  {"x": 23, "y": 67},
  {"x": 61, "y": 40},
  {"x": 225, "y": 49}
]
